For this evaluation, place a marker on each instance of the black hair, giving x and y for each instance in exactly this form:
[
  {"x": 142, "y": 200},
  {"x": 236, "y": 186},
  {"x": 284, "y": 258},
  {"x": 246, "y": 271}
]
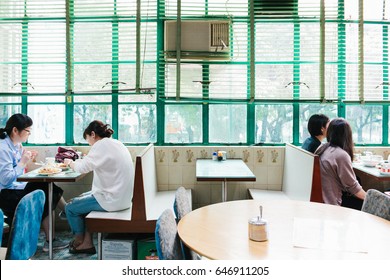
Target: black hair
[
  {"x": 100, "y": 129},
  {"x": 316, "y": 122},
  {"x": 340, "y": 134},
  {"x": 20, "y": 121}
]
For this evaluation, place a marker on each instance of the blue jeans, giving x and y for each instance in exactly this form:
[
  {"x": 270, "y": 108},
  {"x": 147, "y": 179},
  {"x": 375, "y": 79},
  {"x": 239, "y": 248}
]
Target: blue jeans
[{"x": 78, "y": 208}]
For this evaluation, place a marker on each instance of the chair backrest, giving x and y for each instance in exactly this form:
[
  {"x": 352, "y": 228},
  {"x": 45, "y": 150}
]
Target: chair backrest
[
  {"x": 182, "y": 205},
  {"x": 1, "y": 225},
  {"x": 23, "y": 238},
  {"x": 377, "y": 203},
  {"x": 167, "y": 239}
]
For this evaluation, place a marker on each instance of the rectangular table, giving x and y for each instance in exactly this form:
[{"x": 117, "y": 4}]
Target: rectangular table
[
  {"x": 224, "y": 171},
  {"x": 370, "y": 171},
  {"x": 66, "y": 176}
]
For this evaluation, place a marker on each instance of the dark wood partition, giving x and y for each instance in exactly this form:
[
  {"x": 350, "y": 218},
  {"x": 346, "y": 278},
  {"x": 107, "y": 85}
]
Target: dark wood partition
[{"x": 137, "y": 223}]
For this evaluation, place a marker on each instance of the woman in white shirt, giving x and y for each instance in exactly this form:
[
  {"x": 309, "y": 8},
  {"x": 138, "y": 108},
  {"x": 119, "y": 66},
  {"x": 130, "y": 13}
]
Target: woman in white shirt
[{"x": 112, "y": 185}]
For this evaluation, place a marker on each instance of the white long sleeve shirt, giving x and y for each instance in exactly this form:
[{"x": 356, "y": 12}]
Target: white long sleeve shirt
[{"x": 113, "y": 173}]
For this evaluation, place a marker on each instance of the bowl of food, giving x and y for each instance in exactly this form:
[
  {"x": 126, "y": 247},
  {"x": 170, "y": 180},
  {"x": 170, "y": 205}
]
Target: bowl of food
[{"x": 371, "y": 161}]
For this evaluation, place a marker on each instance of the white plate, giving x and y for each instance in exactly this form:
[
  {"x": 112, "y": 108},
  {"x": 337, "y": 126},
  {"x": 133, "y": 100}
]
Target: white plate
[
  {"x": 369, "y": 165},
  {"x": 384, "y": 173},
  {"x": 63, "y": 168},
  {"x": 53, "y": 171}
]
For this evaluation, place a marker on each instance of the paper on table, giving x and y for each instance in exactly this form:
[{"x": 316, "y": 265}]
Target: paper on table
[{"x": 328, "y": 235}]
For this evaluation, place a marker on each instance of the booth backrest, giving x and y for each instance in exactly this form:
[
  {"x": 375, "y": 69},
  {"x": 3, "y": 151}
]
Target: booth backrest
[
  {"x": 301, "y": 175},
  {"x": 148, "y": 202},
  {"x": 144, "y": 185}
]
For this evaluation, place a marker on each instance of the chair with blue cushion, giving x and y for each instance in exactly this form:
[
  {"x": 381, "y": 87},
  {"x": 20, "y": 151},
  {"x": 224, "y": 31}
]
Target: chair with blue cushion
[
  {"x": 24, "y": 232},
  {"x": 182, "y": 204},
  {"x": 181, "y": 207},
  {"x": 377, "y": 203},
  {"x": 167, "y": 239}
]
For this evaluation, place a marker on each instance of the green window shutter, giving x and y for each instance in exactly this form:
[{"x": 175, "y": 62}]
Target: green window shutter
[{"x": 32, "y": 47}]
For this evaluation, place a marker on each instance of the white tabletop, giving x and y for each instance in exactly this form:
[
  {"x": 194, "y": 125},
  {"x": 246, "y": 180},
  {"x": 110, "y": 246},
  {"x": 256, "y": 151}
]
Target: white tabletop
[
  {"x": 229, "y": 170},
  {"x": 371, "y": 171}
]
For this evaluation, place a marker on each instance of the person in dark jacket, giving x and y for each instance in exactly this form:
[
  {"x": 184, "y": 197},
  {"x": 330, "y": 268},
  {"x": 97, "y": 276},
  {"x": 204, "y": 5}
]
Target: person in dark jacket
[{"x": 317, "y": 126}]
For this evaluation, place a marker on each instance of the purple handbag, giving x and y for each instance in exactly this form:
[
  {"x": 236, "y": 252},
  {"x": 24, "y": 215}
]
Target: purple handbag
[{"x": 64, "y": 153}]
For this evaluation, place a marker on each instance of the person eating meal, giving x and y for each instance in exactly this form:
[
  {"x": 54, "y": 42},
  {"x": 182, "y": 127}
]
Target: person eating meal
[
  {"x": 112, "y": 184},
  {"x": 13, "y": 161}
]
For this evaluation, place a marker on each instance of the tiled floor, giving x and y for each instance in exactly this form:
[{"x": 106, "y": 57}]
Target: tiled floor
[{"x": 61, "y": 254}]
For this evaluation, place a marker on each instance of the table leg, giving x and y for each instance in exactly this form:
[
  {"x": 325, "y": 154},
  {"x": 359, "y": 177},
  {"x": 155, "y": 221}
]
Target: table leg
[
  {"x": 50, "y": 221},
  {"x": 99, "y": 245},
  {"x": 224, "y": 190}
]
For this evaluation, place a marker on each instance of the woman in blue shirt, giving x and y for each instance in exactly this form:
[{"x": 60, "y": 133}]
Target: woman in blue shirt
[{"x": 13, "y": 161}]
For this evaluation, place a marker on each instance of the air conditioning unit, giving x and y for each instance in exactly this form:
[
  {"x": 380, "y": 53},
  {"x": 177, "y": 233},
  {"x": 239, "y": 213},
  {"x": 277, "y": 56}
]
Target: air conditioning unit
[{"x": 205, "y": 40}]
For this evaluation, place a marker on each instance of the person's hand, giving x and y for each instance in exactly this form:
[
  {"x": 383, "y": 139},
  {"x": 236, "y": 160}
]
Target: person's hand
[
  {"x": 34, "y": 154},
  {"x": 68, "y": 161},
  {"x": 26, "y": 157}
]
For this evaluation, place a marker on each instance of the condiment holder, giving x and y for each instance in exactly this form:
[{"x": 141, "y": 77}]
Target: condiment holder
[
  {"x": 221, "y": 155},
  {"x": 385, "y": 166},
  {"x": 257, "y": 228}
]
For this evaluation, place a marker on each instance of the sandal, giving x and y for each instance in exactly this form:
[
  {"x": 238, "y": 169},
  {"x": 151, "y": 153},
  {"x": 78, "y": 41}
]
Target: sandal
[
  {"x": 72, "y": 244},
  {"x": 90, "y": 251}
]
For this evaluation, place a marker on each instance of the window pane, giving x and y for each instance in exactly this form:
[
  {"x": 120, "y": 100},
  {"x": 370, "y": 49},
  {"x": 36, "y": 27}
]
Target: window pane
[
  {"x": 49, "y": 124},
  {"x": 228, "y": 81},
  {"x": 274, "y": 42},
  {"x": 310, "y": 86},
  {"x": 91, "y": 77},
  {"x": 145, "y": 96},
  {"x": 307, "y": 110},
  {"x": 8, "y": 99},
  {"x": 274, "y": 123},
  {"x": 191, "y": 78},
  {"x": 45, "y": 98},
  {"x": 227, "y": 123},
  {"x": 183, "y": 124},
  {"x": 366, "y": 123},
  {"x": 351, "y": 83},
  {"x": 239, "y": 46},
  {"x": 7, "y": 111},
  {"x": 272, "y": 81},
  {"x": 84, "y": 114},
  {"x": 127, "y": 74},
  {"x": 331, "y": 81},
  {"x": 137, "y": 123},
  {"x": 47, "y": 78},
  {"x": 11, "y": 41},
  {"x": 92, "y": 41},
  {"x": 93, "y": 98},
  {"x": 127, "y": 41},
  {"x": 10, "y": 77},
  {"x": 373, "y": 82}
]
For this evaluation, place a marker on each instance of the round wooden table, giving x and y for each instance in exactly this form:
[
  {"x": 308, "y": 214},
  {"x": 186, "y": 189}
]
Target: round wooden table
[{"x": 296, "y": 230}]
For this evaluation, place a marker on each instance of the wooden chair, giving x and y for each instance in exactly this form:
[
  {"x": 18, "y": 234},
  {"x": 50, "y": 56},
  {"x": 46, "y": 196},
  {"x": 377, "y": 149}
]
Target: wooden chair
[
  {"x": 24, "y": 232},
  {"x": 377, "y": 203}
]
